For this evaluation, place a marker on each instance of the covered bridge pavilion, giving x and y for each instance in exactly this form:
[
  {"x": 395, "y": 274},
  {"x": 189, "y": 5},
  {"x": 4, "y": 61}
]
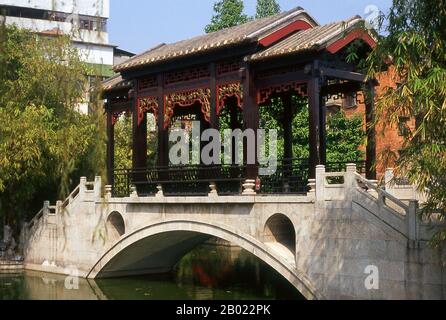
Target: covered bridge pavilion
[{"x": 238, "y": 69}]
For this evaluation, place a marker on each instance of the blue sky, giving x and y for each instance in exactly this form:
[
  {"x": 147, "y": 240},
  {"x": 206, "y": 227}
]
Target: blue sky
[{"x": 137, "y": 25}]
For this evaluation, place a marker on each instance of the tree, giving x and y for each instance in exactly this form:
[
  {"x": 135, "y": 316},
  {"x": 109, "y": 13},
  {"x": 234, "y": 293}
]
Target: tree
[
  {"x": 345, "y": 136},
  {"x": 228, "y": 13},
  {"x": 415, "y": 47},
  {"x": 266, "y": 8},
  {"x": 44, "y": 141}
]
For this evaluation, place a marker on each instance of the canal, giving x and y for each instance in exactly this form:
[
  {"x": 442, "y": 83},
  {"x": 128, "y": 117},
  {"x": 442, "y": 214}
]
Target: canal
[{"x": 209, "y": 272}]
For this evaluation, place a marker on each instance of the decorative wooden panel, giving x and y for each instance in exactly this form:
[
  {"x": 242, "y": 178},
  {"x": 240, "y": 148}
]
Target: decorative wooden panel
[
  {"x": 224, "y": 91},
  {"x": 263, "y": 95},
  {"x": 196, "y": 73},
  {"x": 186, "y": 99},
  {"x": 228, "y": 67},
  {"x": 147, "y": 83},
  {"x": 147, "y": 104}
]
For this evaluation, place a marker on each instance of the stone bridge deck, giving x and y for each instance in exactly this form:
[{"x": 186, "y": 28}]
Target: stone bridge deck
[{"x": 323, "y": 243}]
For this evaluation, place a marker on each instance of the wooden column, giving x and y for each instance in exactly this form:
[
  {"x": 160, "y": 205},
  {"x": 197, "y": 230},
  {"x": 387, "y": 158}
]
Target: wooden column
[
  {"x": 163, "y": 134},
  {"x": 315, "y": 123},
  {"x": 139, "y": 136},
  {"x": 213, "y": 85},
  {"x": 323, "y": 131},
  {"x": 110, "y": 145},
  {"x": 287, "y": 118},
  {"x": 250, "y": 113},
  {"x": 371, "y": 131}
]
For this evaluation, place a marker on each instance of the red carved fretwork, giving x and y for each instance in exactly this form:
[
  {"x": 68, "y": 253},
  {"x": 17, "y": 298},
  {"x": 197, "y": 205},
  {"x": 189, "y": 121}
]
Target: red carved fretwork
[
  {"x": 147, "y": 83},
  {"x": 186, "y": 99},
  {"x": 263, "y": 95},
  {"x": 228, "y": 67},
  {"x": 196, "y": 73},
  {"x": 279, "y": 71},
  {"x": 147, "y": 104},
  {"x": 227, "y": 90}
]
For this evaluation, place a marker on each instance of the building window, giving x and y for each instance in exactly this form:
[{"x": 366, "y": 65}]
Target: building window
[{"x": 85, "y": 22}]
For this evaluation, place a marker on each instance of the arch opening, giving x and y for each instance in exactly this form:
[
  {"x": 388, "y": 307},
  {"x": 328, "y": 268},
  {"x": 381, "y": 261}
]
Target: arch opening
[
  {"x": 279, "y": 229},
  {"x": 115, "y": 226},
  {"x": 157, "y": 248}
]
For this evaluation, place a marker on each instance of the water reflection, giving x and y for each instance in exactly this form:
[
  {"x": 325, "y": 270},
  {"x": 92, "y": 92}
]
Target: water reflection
[{"x": 208, "y": 272}]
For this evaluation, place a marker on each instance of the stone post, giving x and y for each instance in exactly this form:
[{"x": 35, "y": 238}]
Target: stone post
[
  {"x": 373, "y": 192},
  {"x": 133, "y": 192},
  {"x": 160, "y": 192},
  {"x": 412, "y": 221},
  {"x": 108, "y": 192},
  {"x": 97, "y": 187},
  {"x": 350, "y": 181},
  {"x": 389, "y": 177},
  {"x": 320, "y": 183},
  {"x": 59, "y": 208},
  {"x": 248, "y": 188},
  {"x": 46, "y": 208},
  {"x": 82, "y": 186},
  {"x": 213, "y": 190},
  {"x": 312, "y": 189}
]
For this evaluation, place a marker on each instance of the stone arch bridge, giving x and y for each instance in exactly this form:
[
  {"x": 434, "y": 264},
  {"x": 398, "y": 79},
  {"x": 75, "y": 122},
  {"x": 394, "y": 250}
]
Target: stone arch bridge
[{"x": 322, "y": 242}]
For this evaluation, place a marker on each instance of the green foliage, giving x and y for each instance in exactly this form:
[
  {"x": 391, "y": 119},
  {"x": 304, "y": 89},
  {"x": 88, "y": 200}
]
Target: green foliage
[
  {"x": 228, "y": 13},
  {"x": 344, "y": 138},
  {"x": 44, "y": 142},
  {"x": 345, "y": 135},
  {"x": 416, "y": 48},
  {"x": 124, "y": 140},
  {"x": 123, "y": 143},
  {"x": 266, "y": 8}
]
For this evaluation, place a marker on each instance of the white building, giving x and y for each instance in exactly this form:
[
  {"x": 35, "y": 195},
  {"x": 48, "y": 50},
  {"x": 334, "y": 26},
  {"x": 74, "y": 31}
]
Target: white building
[{"x": 85, "y": 20}]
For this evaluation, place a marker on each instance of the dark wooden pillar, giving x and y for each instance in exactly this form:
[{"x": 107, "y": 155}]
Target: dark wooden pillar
[
  {"x": 110, "y": 145},
  {"x": 233, "y": 114},
  {"x": 371, "y": 131},
  {"x": 315, "y": 123},
  {"x": 163, "y": 134},
  {"x": 287, "y": 118},
  {"x": 250, "y": 114},
  {"x": 213, "y": 84},
  {"x": 234, "y": 123},
  {"x": 323, "y": 131},
  {"x": 139, "y": 136}
]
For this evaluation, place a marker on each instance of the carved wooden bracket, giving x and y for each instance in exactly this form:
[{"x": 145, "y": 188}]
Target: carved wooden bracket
[
  {"x": 186, "y": 99},
  {"x": 229, "y": 90},
  {"x": 147, "y": 104}
]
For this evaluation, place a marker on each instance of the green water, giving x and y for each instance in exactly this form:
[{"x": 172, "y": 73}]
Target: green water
[{"x": 206, "y": 273}]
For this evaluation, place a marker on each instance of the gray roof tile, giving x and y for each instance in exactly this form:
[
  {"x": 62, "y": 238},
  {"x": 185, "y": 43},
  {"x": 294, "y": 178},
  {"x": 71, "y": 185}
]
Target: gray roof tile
[
  {"x": 248, "y": 32},
  {"x": 311, "y": 39}
]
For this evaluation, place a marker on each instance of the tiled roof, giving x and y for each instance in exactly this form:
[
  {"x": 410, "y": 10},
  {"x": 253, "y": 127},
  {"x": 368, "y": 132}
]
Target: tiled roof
[
  {"x": 115, "y": 82},
  {"x": 248, "y": 32},
  {"x": 311, "y": 39}
]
